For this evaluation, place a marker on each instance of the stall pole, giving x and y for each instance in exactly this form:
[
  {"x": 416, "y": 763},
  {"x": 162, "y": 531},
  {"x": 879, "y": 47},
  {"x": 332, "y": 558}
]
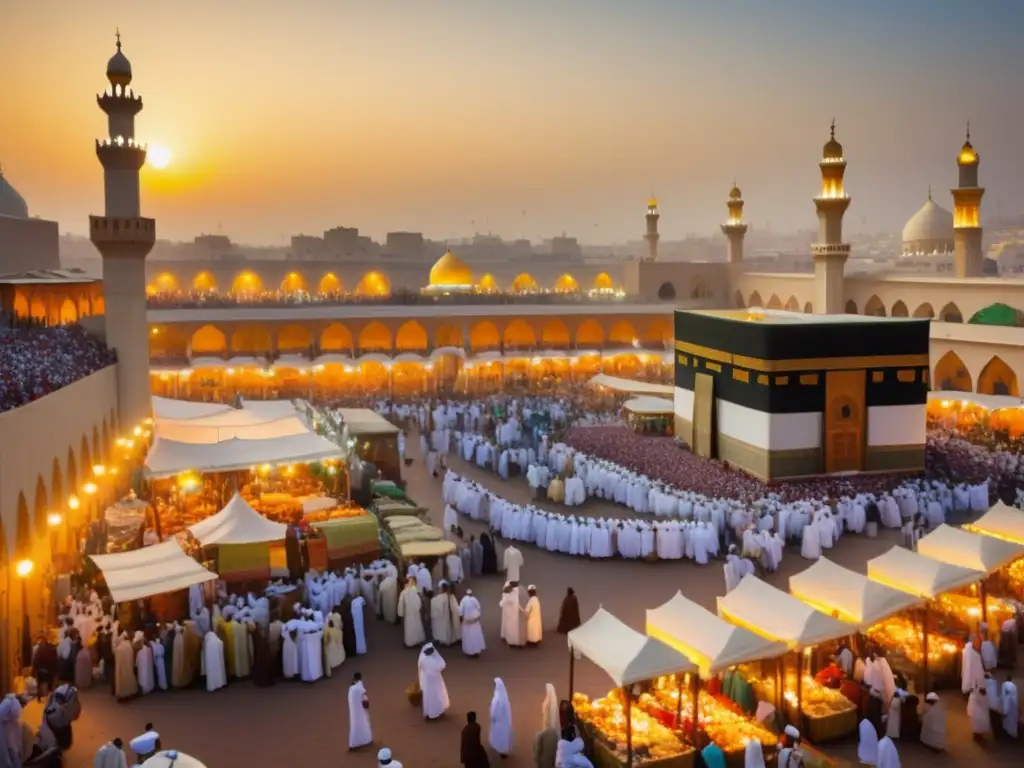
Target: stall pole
[
  {"x": 984, "y": 603},
  {"x": 629, "y": 725},
  {"x": 924, "y": 644},
  {"x": 695, "y": 693},
  {"x": 799, "y": 688},
  {"x": 572, "y": 671},
  {"x": 679, "y": 702}
]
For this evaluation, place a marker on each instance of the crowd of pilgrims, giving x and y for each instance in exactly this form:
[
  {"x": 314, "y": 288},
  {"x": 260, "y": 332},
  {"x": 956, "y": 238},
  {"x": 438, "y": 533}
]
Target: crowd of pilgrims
[{"x": 36, "y": 360}]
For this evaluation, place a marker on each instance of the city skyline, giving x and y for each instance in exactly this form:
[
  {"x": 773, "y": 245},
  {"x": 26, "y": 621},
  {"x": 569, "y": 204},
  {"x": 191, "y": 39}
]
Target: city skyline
[{"x": 521, "y": 120}]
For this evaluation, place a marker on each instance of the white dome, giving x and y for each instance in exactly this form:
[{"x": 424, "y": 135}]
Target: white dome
[
  {"x": 11, "y": 202},
  {"x": 929, "y": 230}
]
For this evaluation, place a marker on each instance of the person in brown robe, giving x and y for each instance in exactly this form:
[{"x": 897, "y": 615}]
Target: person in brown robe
[
  {"x": 473, "y": 754},
  {"x": 569, "y": 616},
  {"x": 545, "y": 748},
  {"x": 44, "y": 664},
  {"x": 262, "y": 659}
]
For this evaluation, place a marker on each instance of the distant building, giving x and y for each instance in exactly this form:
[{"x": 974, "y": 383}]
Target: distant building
[{"x": 25, "y": 243}]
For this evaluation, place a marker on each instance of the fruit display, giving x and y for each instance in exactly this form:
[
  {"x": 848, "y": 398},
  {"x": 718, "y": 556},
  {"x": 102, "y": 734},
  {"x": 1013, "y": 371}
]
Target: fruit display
[
  {"x": 902, "y": 637},
  {"x": 605, "y": 719}
]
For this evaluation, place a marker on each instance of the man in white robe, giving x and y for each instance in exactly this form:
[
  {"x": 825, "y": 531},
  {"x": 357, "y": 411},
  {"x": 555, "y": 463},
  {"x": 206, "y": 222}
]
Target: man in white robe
[
  {"x": 311, "y": 660},
  {"x": 111, "y": 755},
  {"x": 334, "y": 644},
  {"x": 972, "y": 671},
  {"x": 978, "y": 712},
  {"x": 534, "y": 622},
  {"x": 434, "y": 692},
  {"x": 360, "y": 734},
  {"x": 410, "y": 610},
  {"x": 500, "y": 736},
  {"x": 472, "y": 631},
  {"x": 290, "y": 650},
  {"x": 144, "y": 666},
  {"x": 989, "y": 657},
  {"x": 1011, "y": 707},
  {"x": 358, "y": 606},
  {"x": 441, "y": 607},
  {"x": 387, "y": 599},
  {"x": 511, "y": 616},
  {"x": 213, "y": 662},
  {"x": 453, "y": 565},
  {"x": 384, "y": 759},
  {"x": 512, "y": 564}
]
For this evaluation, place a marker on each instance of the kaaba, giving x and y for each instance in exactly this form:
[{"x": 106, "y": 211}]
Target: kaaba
[{"x": 783, "y": 395}]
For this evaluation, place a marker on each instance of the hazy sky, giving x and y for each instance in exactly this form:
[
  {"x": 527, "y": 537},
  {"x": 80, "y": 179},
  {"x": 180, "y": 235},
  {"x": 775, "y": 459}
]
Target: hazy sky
[{"x": 449, "y": 116}]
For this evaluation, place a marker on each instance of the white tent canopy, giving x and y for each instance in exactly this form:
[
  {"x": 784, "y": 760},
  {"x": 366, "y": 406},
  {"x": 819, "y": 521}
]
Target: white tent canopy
[
  {"x": 238, "y": 523},
  {"x": 847, "y": 595},
  {"x": 170, "y": 457},
  {"x": 149, "y": 571},
  {"x": 631, "y": 386},
  {"x": 714, "y": 644},
  {"x": 777, "y": 615},
  {"x": 1001, "y": 522},
  {"x": 624, "y": 654},
  {"x": 363, "y": 421},
  {"x": 244, "y": 425},
  {"x": 968, "y": 550},
  {"x": 167, "y": 408},
  {"x": 919, "y": 575},
  {"x": 649, "y": 405}
]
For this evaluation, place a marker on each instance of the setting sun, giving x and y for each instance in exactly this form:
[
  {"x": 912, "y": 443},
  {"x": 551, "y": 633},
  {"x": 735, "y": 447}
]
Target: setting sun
[{"x": 159, "y": 157}]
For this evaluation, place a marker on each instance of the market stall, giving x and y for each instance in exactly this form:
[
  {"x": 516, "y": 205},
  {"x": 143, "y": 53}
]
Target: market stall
[
  {"x": 822, "y": 713},
  {"x": 244, "y": 540},
  {"x": 348, "y": 540},
  {"x": 619, "y": 733},
  {"x": 927, "y": 651},
  {"x": 1001, "y": 522},
  {"x": 632, "y": 386},
  {"x": 649, "y": 415},
  {"x": 847, "y": 595},
  {"x": 375, "y": 440},
  {"x": 149, "y": 571},
  {"x": 125, "y": 521}
]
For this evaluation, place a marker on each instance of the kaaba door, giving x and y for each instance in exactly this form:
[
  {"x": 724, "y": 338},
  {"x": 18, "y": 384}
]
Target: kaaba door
[
  {"x": 844, "y": 421},
  {"x": 703, "y": 416}
]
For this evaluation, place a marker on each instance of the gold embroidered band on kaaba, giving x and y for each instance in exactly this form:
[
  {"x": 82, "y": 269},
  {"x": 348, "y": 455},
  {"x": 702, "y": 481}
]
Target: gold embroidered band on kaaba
[{"x": 805, "y": 364}]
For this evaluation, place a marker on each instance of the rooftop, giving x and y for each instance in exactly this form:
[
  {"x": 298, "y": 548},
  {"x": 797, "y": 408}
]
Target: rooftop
[{"x": 782, "y": 317}]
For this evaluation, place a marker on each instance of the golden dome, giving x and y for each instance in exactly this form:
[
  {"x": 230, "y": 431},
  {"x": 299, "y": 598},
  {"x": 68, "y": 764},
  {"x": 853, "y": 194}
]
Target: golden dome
[
  {"x": 487, "y": 284},
  {"x": 450, "y": 270},
  {"x": 967, "y": 154},
  {"x": 833, "y": 150},
  {"x": 652, "y": 202},
  {"x": 734, "y": 193},
  {"x": 524, "y": 282},
  {"x": 566, "y": 284},
  {"x": 603, "y": 282}
]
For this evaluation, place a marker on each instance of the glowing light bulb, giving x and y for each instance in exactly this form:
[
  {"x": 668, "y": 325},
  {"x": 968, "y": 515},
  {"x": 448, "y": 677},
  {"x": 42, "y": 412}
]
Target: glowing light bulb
[{"x": 24, "y": 568}]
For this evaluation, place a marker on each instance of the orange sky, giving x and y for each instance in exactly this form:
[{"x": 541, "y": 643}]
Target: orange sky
[{"x": 456, "y": 116}]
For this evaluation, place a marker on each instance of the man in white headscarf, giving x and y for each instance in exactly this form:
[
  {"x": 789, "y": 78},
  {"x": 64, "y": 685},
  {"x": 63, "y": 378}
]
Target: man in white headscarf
[
  {"x": 511, "y": 616},
  {"x": 888, "y": 757},
  {"x": 434, "y": 692},
  {"x": 359, "y": 731},
  {"x": 410, "y": 610},
  {"x": 111, "y": 755},
  {"x": 1011, "y": 707},
  {"x": 549, "y": 709},
  {"x": 867, "y": 747},
  {"x": 972, "y": 671},
  {"x": 500, "y": 736},
  {"x": 384, "y": 759},
  {"x": 978, "y": 712},
  {"x": 753, "y": 755},
  {"x": 933, "y": 724},
  {"x": 791, "y": 756}
]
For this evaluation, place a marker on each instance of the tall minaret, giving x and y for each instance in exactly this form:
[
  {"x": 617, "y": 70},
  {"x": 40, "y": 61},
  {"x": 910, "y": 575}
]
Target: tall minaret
[
  {"x": 830, "y": 252},
  {"x": 124, "y": 239},
  {"x": 734, "y": 228},
  {"x": 652, "y": 237},
  {"x": 968, "y": 254}
]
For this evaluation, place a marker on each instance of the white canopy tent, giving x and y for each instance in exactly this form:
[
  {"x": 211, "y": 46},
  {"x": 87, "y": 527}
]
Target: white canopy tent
[
  {"x": 847, "y": 595},
  {"x": 919, "y": 575},
  {"x": 777, "y": 615},
  {"x": 170, "y": 457},
  {"x": 363, "y": 421},
  {"x": 149, "y": 571},
  {"x": 713, "y": 644},
  {"x": 1001, "y": 522},
  {"x": 624, "y": 654},
  {"x": 244, "y": 425},
  {"x": 238, "y": 523},
  {"x": 968, "y": 550},
  {"x": 168, "y": 408},
  {"x": 649, "y": 406},
  {"x": 631, "y": 386}
]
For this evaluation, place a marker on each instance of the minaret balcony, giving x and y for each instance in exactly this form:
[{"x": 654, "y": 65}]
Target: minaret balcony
[
  {"x": 120, "y": 103},
  {"x": 118, "y": 232},
  {"x": 121, "y": 154}
]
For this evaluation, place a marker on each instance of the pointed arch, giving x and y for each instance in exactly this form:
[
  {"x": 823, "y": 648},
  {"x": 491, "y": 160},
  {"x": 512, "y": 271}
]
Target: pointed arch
[
  {"x": 851, "y": 308},
  {"x": 56, "y": 483},
  {"x": 68, "y": 312},
  {"x": 793, "y": 305},
  {"x": 899, "y": 309},
  {"x": 208, "y": 340},
  {"x": 294, "y": 339},
  {"x": 755, "y": 300},
  {"x": 105, "y": 441},
  {"x": 658, "y": 331},
  {"x": 774, "y": 302},
  {"x": 72, "y": 472},
  {"x": 22, "y": 529},
  {"x": 484, "y": 335},
  {"x": 329, "y": 283},
  {"x": 622, "y": 334},
  {"x": 375, "y": 337},
  {"x": 666, "y": 291},
  {"x": 874, "y": 307},
  {"x": 38, "y": 309},
  {"x": 165, "y": 282},
  {"x": 336, "y": 338},
  {"x": 251, "y": 340},
  {"x": 589, "y": 333},
  {"x": 247, "y": 283},
  {"x": 808, "y": 308},
  {"x": 951, "y": 375},
  {"x": 698, "y": 290},
  {"x": 83, "y": 306},
  {"x": 951, "y": 314},
  {"x": 519, "y": 335},
  {"x": 374, "y": 284},
  {"x": 85, "y": 456},
  {"x": 97, "y": 455},
  {"x": 997, "y": 378},
  {"x": 294, "y": 282},
  {"x": 448, "y": 335},
  {"x": 41, "y": 506},
  {"x": 738, "y": 300},
  {"x": 411, "y": 337},
  {"x": 555, "y": 334},
  {"x": 204, "y": 282}
]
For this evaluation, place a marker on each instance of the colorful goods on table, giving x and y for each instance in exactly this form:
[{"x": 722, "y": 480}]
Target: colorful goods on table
[
  {"x": 903, "y": 641},
  {"x": 720, "y": 718},
  {"x": 826, "y": 714},
  {"x": 960, "y": 614},
  {"x": 604, "y": 720}
]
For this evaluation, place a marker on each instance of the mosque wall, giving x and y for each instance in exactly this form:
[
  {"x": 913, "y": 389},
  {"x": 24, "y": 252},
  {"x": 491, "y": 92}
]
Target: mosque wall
[
  {"x": 792, "y": 292},
  {"x": 677, "y": 281},
  {"x": 27, "y": 244}
]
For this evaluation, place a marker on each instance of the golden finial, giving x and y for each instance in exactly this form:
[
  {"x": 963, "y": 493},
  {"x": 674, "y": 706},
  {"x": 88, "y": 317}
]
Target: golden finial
[
  {"x": 832, "y": 128},
  {"x": 117, "y": 34},
  {"x": 929, "y": 192},
  {"x": 968, "y": 131}
]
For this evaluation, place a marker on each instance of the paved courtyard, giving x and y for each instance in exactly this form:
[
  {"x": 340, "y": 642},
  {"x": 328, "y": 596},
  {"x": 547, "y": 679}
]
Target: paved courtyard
[{"x": 299, "y": 725}]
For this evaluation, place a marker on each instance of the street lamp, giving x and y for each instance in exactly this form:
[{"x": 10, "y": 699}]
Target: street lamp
[
  {"x": 54, "y": 519},
  {"x": 90, "y": 488},
  {"x": 99, "y": 470},
  {"x": 24, "y": 568}
]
